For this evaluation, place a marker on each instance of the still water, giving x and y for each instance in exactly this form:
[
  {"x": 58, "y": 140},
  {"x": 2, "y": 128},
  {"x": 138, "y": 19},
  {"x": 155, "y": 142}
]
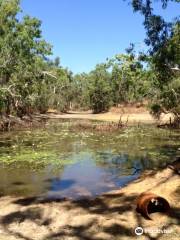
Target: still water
[{"x": 60, "y": 161}]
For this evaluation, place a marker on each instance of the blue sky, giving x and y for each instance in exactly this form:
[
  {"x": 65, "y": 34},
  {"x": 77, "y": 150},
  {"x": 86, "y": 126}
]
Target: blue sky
[{"x": 86, "y": 32}]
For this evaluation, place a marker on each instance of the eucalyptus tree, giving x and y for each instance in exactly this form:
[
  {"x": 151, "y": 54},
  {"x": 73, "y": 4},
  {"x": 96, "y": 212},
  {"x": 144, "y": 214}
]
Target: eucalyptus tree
[
  {"x": 129, "y": 79},
  {"x": 100, "y": 90},
  {"x": 22, "y": 53},
  {"x": 82, "y": 87},
  {"x": 167, "y": 89},
  {"x": 163, "y": 39}
]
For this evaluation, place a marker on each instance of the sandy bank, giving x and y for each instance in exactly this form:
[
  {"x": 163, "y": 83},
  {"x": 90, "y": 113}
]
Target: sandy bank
[
  {"x": 129, "y": 115},
  {"x": 109, "y": 217}
]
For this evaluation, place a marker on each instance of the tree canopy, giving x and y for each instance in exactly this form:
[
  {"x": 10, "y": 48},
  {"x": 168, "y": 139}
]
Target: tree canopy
[
  {"x": 31, "y": 81},
  {"x": 163, "y": 39}
]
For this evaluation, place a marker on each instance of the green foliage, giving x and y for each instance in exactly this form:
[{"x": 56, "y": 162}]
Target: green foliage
[
  {"x": 129, "y": 80},
  {"x": 157, "y": 29},
  {"x": 167, "y": 100},
  {"x": 164, "y": 41},
  {"x": 31, "y": 82},
  {"x": 100, "y": 89},
  {"x": 22, "y": 50},
  {"x": 82, "y": 85},
  {"x": 166, "y": 64},
  {"x": 118, "y": 80}
]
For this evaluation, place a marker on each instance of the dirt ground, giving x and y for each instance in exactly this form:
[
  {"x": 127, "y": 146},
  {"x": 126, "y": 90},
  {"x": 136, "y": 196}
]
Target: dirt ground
[
  {"x": 111, "y": 216},
  {"x": 129, "y": 114}
]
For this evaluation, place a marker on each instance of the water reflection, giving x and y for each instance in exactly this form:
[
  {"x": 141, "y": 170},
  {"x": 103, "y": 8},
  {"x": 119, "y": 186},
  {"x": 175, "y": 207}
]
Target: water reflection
[
  {"x": 57, "y": 163},
  {"x": 87, "y": 178}
]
